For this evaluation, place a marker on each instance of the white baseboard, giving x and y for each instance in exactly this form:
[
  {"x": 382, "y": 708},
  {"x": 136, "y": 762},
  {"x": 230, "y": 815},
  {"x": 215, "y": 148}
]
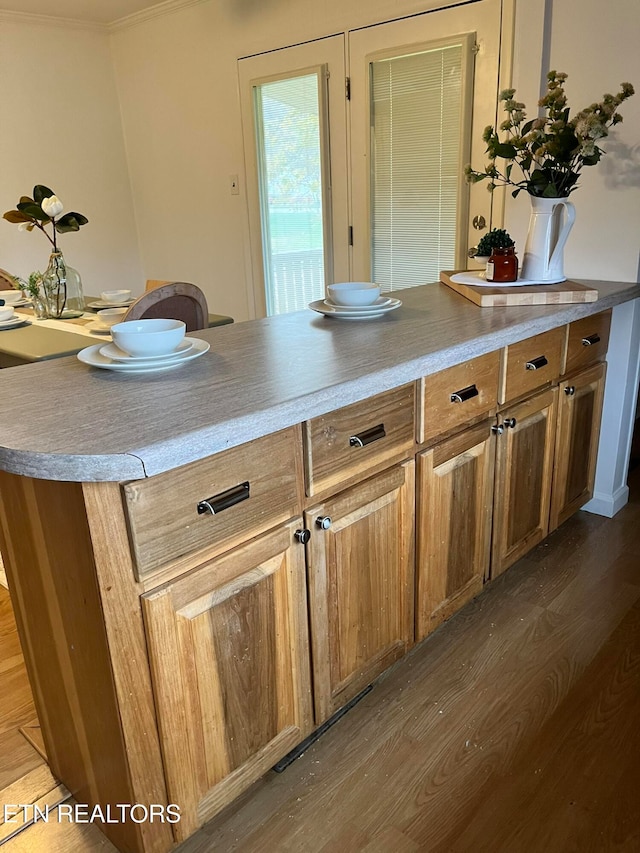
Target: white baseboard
[{"x": 608, "y": 504}]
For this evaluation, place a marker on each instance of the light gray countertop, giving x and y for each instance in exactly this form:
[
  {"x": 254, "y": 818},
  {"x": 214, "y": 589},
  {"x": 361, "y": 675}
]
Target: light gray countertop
[{"x": 62, "y": 420}]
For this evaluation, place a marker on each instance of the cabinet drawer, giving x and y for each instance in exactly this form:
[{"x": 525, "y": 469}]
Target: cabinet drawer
[
  {"x": 587, "y": 341},
  {"x": 458, "y": 395},
  {"x": 248, "y": 489},
  {"x": 531, "y": 364},
  {"x": 358, "y": 438}
]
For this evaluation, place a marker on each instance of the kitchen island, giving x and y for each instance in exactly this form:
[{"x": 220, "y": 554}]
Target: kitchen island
[{"x": 169, "y": 538}]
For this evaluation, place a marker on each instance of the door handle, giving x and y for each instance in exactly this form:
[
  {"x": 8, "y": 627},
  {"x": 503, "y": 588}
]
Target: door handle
[
  {"x": 590, "y": 340},
  {"x": 537, "y": 363},
  {"x": 224, "y": 500},
  {"x": 367, "y": 436},
  {"x": 464, "y": 394}
]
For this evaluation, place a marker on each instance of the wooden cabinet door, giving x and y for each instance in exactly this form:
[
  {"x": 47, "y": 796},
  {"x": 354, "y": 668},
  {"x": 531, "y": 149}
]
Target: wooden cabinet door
[
  {"x": 228, "y": 645},
  {"x": 524, "y": 467},
  {"x": 455, "y": 497},
  {"x": 578, "y": 432},
  {"x": 360, "y": 585}
]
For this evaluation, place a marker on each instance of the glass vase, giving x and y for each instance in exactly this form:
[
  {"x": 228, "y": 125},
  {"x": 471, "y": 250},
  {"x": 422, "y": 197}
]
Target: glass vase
[{"x": 61, "y": 289}]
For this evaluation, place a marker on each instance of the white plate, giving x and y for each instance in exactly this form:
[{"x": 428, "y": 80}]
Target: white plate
[
  {"x": 116, "y": 354},
  {"x": 98, "y": 328},
  {"x": 13, "y": 322},
  {"x": 19, "y": 304},
  {"x": 341, "y": 313},
  {"x": 100, "y": 303},
  {"x": 380, "y": 302},
  {"x": 93, "y": 357}
]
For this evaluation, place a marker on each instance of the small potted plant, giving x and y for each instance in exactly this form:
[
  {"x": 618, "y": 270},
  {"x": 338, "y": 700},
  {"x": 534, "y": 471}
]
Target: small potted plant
[{"x": 497, "y": 238}]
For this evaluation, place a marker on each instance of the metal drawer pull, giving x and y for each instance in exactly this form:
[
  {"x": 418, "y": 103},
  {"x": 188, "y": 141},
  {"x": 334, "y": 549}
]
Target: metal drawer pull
[
  {"x": 303, "y": 535},
  {"x": 368, "y": 436},
  {"x": 464, "y": 394},
  {"x": 591, "y": 339},
  {"x": 570, "y": 390},
  {"x": 510, "y": 423},
  {"x": 224, "y": 500},
  {"x": 537, "y": 363},
  {"x": 323, "y": 522}
]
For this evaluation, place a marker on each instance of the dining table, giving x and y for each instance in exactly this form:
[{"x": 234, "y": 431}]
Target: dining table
[{"x": 40, "y": 340}]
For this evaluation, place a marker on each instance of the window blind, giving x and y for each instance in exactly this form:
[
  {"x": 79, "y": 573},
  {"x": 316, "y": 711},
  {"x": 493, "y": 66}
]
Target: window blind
[{"x": 416, "y": 105}]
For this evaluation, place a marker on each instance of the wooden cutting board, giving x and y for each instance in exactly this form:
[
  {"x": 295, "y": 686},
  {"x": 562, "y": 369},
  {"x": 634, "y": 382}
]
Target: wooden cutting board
[{"x": 538, "y": 294}]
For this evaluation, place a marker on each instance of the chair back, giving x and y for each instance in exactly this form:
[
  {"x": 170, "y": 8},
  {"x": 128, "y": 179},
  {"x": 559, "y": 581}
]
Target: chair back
[
  {"x": 6, "y": 282},
  {"x": 152, "y": 283},
  {"x": 176, "y": 300}
]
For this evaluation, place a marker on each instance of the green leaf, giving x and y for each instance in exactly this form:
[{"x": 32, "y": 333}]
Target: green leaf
[
  {"x": 70, "y": 222},
  {"x": 33, "y": 210},
  {"x": 504, "y": 150},
  {"x": 527, "y": 127},
  {"x": 25, "y": 198},
  {"x": 41, "y": 192},
  {"x": 16, "y": 216}
]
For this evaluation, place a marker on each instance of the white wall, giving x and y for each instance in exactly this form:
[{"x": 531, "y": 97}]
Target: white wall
[
  {"x": 178, "y": 91},
  {"x": 61, "y": 127},
  {"x": 597, "y": 47}
]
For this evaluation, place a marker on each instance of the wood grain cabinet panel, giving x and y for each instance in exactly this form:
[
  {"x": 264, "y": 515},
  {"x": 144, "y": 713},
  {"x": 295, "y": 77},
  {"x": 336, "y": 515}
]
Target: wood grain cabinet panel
[
  {"x": 228, "y": 645},
  {"x": 524, "y": 468},
  {"x": 587, "y": 341},
  {"x": 455, "y": 496},
  {"x": 361, "y": 571},
  {"x": 353, "y": 441},
  {"x": 531, "y": 364},
  {"x": 458, "y": 395},
  {"x": 164, "y": 521},
  {"x": 579, "y": 415}
]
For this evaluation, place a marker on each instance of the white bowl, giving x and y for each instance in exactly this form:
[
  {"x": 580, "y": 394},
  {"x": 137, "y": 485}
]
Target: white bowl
[
  {"x": 111, "y": 316},
  {"x": 148, "y": 337},
  {"x": 354, "y": 293},
  {"x": 115, "y": 295},
  {"x": 6, "y": 313},
  {"x": 11, "y": 297}
]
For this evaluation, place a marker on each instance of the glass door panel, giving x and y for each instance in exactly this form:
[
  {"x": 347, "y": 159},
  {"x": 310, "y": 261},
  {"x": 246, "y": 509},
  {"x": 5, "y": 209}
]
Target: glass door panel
[
  {"x": 296, "y": 172},
  {"x": 291, "y": 181}
]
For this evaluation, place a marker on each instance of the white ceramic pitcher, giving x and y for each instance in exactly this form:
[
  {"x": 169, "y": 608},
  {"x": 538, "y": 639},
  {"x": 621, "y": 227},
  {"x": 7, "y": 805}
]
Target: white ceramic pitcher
[{"x": 544, "y": 248}]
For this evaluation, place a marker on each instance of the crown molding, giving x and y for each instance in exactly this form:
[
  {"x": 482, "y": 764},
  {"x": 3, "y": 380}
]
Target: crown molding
[
  {"x": 50, "y": 21},
  {"x": 157, "y": 11}
]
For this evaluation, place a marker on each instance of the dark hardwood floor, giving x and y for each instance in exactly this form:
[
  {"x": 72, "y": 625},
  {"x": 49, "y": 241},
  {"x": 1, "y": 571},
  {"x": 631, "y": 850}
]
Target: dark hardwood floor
[{"x": 515, "y": 728}]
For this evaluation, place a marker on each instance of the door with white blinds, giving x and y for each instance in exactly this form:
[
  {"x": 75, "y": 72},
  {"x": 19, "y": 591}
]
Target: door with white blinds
[
  {"x": 294, "y": 127},
  {"x": 417, "y": 114}
]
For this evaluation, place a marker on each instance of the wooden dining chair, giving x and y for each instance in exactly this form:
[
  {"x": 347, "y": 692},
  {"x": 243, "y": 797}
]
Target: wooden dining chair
[
  {"x": 175, "y": 300},
  {"x": 152, "y": 283},
  {"x": 6, "y": 281}
]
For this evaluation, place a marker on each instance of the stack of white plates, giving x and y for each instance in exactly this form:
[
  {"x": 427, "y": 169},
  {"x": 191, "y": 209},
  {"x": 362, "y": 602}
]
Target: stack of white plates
[
  {"x": 381, "y": 306},
  {"x": 99, "y": 304},
  {"x": 12, "y": 322},
  {"x": 110, "y": 357}
]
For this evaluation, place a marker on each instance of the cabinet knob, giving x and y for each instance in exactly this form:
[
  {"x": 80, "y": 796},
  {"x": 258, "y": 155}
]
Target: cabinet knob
[
  {"x": 323, "y": 522},
  {"x": 303, "y": 536},
  {"x": 510, "y": 423},
  {"x": 590, "y": 340},
  {"x": 497, "y": 429},
  {"x": 570, "y": 390}
]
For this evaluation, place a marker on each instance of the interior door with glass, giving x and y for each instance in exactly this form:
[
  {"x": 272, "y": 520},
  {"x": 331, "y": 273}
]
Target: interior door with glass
[
  {"x": 296, "y": 172},
  {"x": 422, "y": 91}
]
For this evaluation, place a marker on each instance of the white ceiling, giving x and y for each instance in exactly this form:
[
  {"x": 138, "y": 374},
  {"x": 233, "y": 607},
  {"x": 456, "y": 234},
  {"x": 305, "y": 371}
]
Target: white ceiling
[{"x": 96, "y": 11}]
